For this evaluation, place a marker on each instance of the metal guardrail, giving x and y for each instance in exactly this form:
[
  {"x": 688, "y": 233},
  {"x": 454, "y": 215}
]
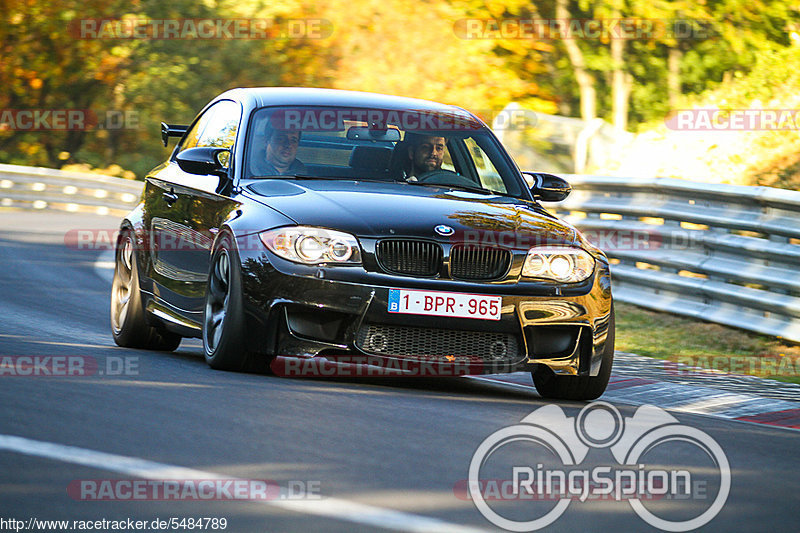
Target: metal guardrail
[
  {"x": 43, "y": 188},
  {"x": 724, "y": 253}
]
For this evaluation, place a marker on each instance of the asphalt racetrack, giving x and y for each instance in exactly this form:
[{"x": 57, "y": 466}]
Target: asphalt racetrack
[{"x": 335, "y": 454}]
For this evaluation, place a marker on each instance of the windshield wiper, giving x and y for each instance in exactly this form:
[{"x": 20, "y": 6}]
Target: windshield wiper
[
  {"x": 479, "y": 190},
  {"x": 342, "y": 178},
  {"x": 310, "y": 177},
  {"x": 295, "y": 176}
]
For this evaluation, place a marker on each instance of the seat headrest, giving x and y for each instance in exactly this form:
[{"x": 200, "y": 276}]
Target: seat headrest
[{"x": 370, "y": 157}]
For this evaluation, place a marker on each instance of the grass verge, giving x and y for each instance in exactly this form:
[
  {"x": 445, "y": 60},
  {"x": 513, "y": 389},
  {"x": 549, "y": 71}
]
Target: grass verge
[{"x": 705, "y": 345}]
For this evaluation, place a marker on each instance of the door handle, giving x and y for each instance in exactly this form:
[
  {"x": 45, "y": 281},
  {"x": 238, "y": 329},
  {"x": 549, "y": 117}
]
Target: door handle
[{"x": 170, "y": 197}]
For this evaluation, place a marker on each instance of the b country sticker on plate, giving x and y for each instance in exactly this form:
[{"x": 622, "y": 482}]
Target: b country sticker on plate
[{"x": 437, "y": 303}]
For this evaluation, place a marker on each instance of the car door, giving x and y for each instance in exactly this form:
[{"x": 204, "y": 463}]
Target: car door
[{"x": 184, "y": 213}]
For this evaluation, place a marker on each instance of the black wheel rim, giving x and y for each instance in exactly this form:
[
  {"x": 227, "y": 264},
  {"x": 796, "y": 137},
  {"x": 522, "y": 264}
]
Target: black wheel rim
[
  {"x": 217, "y": 301},
  {"x": 121, "y": 287}
]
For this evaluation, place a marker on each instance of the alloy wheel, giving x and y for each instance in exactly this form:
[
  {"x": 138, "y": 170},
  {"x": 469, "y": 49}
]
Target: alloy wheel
[{"x": 217, "y": 301}]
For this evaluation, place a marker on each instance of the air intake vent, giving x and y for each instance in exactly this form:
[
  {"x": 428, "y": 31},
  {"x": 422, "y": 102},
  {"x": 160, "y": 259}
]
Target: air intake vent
[
  {"x": 438, "y": 344},
  {"x": 483, "y": 263},
  {"x": 410, "y": 258}
]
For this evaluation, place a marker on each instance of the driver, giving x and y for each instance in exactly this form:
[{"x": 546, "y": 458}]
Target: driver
[
  {"x": 281, "y": 152},
  {"x": 426, "y": 153}
]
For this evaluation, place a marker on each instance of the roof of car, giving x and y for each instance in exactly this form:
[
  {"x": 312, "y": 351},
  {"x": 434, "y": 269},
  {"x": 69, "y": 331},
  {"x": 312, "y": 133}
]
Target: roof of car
[{"x": 304, "y": 96}]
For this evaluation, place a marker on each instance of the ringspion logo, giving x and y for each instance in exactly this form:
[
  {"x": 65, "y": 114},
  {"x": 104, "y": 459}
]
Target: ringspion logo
[{"x": 558, "y": 445}]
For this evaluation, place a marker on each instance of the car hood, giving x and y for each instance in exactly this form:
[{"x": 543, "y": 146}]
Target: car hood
[{"x": 381, "y": 209}]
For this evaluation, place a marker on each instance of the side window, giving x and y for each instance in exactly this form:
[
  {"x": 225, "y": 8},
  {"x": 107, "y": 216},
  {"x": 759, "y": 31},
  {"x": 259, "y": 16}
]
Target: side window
[
  {"x": 488, "y": 174},
  {"x": 193, "y": 135},
  {"x": 220, "y": 132},
  {"x": 447, "y": 161},
  {"x": 216, "y": 127}
]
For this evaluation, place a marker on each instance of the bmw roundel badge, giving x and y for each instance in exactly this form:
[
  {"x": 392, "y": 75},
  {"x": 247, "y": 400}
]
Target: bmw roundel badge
[{"x": 443, "y": 230}]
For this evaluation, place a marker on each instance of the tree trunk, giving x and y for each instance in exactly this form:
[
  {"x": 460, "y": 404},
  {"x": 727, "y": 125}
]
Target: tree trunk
[
  {"x": 620, "y": 85},
  {"x": 585, "y": 80},
  {"x": 674, "y": 76}
]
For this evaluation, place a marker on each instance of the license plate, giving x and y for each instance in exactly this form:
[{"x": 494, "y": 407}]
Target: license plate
[{"x": 438, "y": 303}]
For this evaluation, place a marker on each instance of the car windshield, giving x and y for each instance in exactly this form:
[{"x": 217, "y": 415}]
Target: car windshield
[{"x": 420, "y": 147}]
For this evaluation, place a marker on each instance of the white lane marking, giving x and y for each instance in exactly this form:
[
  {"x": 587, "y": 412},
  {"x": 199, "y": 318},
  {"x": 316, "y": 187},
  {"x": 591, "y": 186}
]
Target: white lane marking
[
  {"x": 142, "y": 468},
  {"x": 685, "y": 399},
  {"x": 522, "y": 386},
  {"x": 104, "y": 265},
  {"x": 663, "y": 394},
  {"x": 700, "y": 400},
  {"x": 717, "y": 404},
  {"x": 757, "y": 406}
]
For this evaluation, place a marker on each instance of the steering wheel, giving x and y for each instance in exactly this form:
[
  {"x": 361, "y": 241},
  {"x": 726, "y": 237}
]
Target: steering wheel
[{"x": 445, "y": 177}]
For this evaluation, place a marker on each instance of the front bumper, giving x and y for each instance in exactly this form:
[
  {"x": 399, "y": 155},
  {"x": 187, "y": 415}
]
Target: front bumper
[{"x": 305, "y": 311}]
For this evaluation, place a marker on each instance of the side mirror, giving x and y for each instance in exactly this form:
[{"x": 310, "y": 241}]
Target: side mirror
[
  {"x": 547, "y": 187},
  {"x": 203, "y": 161},
  {"x": 363, "y": 133}
]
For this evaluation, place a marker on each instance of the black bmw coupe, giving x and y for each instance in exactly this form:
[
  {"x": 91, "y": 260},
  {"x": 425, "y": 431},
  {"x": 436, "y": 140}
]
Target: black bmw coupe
[{"x": 315, "y": 223}]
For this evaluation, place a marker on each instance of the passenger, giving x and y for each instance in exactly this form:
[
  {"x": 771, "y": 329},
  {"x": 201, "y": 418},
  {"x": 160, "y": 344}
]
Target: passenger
[{"x": 281, "y": 154}]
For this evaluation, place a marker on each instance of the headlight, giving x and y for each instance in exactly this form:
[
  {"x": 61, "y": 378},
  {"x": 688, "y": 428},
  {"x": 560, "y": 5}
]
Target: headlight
[
  {"x": 567, "y": 265},
  {"x": 311, "y": 246}
]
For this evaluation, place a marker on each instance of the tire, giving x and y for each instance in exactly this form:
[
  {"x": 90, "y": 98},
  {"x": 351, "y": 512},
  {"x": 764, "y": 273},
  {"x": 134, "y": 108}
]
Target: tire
[
  {"x": 581, "y": 388},
  {"x": 129, "y": 325},
  {"x": 224, "y": 342}
]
